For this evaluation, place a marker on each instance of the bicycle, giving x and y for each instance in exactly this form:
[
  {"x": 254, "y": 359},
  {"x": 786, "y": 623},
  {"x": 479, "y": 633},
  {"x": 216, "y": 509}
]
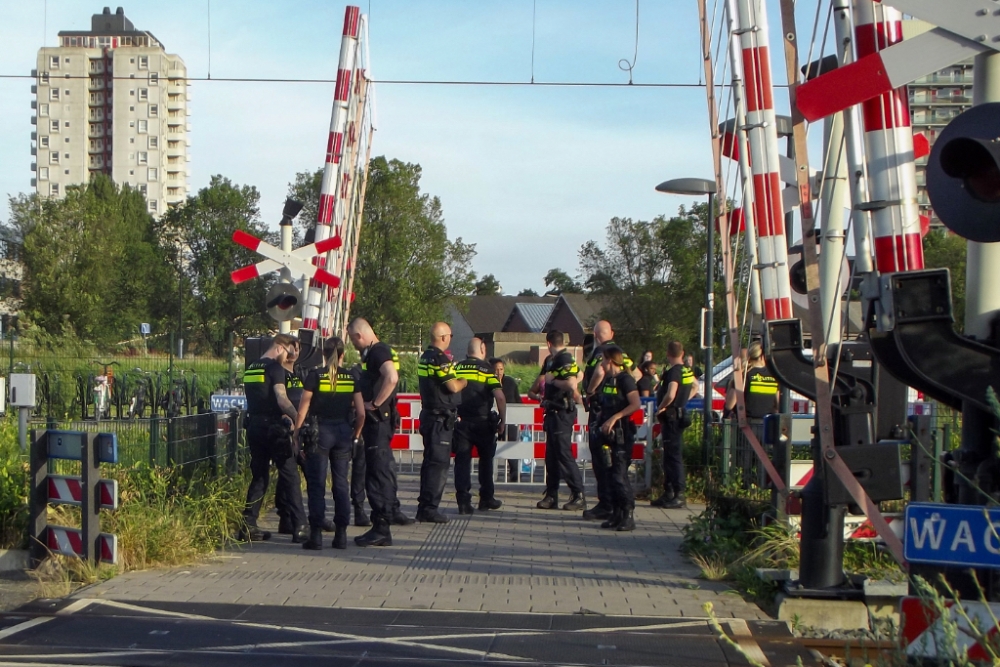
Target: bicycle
[
  {"x": 143, "y": 388},
  {"x": 102, "y": 388}
]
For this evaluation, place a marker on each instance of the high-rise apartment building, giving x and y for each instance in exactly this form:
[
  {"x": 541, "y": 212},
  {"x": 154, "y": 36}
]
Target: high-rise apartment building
[
  {"x": 111, "y": 100},
  {"x": 935, "y": 100}
]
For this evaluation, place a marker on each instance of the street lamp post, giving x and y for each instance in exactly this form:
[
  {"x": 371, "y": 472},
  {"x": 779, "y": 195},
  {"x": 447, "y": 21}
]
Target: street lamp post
[{"x": 701, "y": 187}]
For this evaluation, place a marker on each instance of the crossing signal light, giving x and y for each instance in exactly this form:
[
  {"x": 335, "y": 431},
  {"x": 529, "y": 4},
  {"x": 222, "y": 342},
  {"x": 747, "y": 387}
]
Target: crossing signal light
[
  {"x": 283, "y": 302},
  {"x": 963, "y": 174}
]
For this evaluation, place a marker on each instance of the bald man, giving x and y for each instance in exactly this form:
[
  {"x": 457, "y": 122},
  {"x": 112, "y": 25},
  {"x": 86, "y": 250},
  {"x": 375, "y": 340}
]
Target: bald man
[
  {"x": 440, "y": 396},
  {"x": 593, "y": 377},
  {"x": 379, "y": 377}
]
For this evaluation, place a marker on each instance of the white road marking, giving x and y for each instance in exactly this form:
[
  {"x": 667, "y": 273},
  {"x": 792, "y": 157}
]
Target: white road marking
[
  {"x": 21, "y": 627},
  {"x": 76, "y": 606}
]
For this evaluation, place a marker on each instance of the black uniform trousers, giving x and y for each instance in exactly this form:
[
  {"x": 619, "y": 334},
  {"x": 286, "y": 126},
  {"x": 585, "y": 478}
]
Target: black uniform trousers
[
  {"x": 262, "y": 453},
  {"x": 602, "y": 473},
  {"x": 437, "y": 431},
  {"x": 335, "y": 444},
  {"x": 481, "y": 435},
  {"x": 380, "y": 478},
  {"x": 671, "y": 434},
  {"x": 559, "y": 461},
  {"x": 621, "y": 458}
]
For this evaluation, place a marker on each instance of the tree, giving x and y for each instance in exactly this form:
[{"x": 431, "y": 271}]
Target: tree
[
  {"x": 561, "y": 283},
  {"x": 92, "y": 263},
  {"x": 407, "y": 270},
  {"x": 654, "y": 273},
  {"x": 198, "y": 238},
  {"x": 943, "y": 250},
  {"x": 527, "y": 292},
  {"x": 488, "y": 285}
]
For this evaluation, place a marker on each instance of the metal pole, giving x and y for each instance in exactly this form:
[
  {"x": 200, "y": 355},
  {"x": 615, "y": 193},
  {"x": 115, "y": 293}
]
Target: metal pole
[
  {"x": 833, "y": 197},
  {"x": 90, "y": 508},
  {"x": 286, "y": 245},
  {"x": 180, "y": 315},
  {"x": 232, "y": 353},
  {"x": 709, "y": 327}
]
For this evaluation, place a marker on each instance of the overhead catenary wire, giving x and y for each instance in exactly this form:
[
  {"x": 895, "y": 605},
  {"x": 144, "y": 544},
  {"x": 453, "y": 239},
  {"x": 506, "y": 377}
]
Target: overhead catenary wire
[{"x": 629, "y": 66}]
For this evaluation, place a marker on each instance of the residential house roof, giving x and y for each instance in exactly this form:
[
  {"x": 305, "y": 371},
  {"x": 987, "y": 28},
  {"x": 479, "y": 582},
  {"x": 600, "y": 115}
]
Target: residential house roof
[{"x": 535, "y": 315}]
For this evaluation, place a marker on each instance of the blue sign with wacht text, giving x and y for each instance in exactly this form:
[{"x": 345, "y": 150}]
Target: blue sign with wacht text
[
  {"x": 225, "y": 403},
  {"x": 960, "y": 535}
]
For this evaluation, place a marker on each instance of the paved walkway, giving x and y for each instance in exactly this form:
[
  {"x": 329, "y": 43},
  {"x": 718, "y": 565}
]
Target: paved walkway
[{"x": 517, "y": 559}]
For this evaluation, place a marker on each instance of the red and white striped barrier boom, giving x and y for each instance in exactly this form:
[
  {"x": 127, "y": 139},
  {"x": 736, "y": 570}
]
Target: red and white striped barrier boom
[
  {"x": 768, "y": 211},
  {"x": 889, "y": 149},
  {"x": 334, "y": 150}
]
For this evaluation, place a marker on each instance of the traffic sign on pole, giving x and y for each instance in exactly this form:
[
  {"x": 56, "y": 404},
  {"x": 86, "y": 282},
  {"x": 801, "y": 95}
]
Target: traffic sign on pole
[{"x": 960, "y": 535}]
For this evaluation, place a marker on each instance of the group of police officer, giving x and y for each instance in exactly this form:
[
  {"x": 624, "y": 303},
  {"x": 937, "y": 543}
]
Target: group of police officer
[{"x": 337, "y": 417}]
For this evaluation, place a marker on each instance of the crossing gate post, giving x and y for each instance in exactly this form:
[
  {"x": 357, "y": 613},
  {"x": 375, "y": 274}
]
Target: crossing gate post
[
  {"x": 90, "y": 505},
  {"x": 233, "y": 441},
  {"x": 38, "y": 497}
]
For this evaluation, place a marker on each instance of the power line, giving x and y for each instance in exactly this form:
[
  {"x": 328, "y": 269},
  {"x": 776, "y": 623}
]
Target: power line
[{"x": 404, "y": 82}]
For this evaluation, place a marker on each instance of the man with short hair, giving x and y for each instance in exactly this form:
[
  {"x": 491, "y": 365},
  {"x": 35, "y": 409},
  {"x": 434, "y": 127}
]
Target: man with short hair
[
  {"x": 270, "y": 416},
  {"x": 675, "y": 390},
  {"x": 593, "y": 377},
  {"x": 379, "y": 377},
  {"x": 440, "y": 395},
  {"x": 559, "y": 376},
  {"x": 478, "y": 427}
]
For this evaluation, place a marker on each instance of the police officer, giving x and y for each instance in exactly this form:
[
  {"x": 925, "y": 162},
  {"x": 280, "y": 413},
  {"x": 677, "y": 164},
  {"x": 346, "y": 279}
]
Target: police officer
[
  {"x": 361, "y": 518},
  {"x": 379, "y": 377},
  {"x": 293, "y": 389},
  {"x": 270, "y": 418},
  {"x": 760, "y": 387},
  {"x": 478, "y": 427},
  {"x": 560, "y": 375},
  {"x": 440, "y": 395},
  {"x": 333, "y": 395},
  {"x": 593, "y": 377},
  {"x": 617, "y": 398},
  {"x": 676, "y": 385}
]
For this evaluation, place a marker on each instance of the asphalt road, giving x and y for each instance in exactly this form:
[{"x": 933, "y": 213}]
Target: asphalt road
[{"x": 104, "y": 632}]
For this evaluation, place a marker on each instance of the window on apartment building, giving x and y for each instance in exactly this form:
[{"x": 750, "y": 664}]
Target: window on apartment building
[
  {"x": 54, "y": 125},
  {"x": 143, "y": 189},
  {"x": 154, "y": 78},
  {"x": 142, "y": 157},
  {"x": 43, "y": 173},
  {"x": 66, "y": 124},
  {"x": 43, "y": 142},
  {"x": 152, "y": 206},
  {"x": 154, "y": 143},
  {"x": 53, "y": 62},
  {"x": 154, "y": 110},
  {"x": 131, "y": 109},
  {"x": 143, "y": 62},
  {"x": 143, "y": 94},
  {"x": 44, "y": 80},
  {"x": 143, "y": 126},
  {"x": 54, "y": 189},
  {"x": 67, "y": 140},
  {"x": 66, "y": 92},
  {"x": 54, "y": 157},
  {"x": 43, "y": 109},
  {"x": 152, "y": 174},
  {"x": 94, "y": 161},
  {"x": 54, "y": 94},
  {"x": 66, "y": 156}
]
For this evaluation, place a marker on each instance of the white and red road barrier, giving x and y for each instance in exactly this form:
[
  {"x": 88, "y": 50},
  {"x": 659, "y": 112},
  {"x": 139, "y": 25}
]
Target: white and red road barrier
[
  {"x": 957, "y": 635},
  {"x": 858, "y": 528},
  {"x": 68, "y": 490},
  {"x": 69, "y": 542}
]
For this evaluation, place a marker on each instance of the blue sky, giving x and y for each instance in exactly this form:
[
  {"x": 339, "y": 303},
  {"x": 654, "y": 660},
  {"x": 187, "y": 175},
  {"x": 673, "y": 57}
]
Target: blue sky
[{"x": 527, "y": 174}]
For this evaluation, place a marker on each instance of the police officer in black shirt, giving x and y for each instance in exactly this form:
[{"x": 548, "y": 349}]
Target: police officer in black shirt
[
  {"x": 440, "y": 395},
  {"x": 617, "y": 398},
  {"x": 333, "y": 396},
  {"x": 270, "y": 419},
  {"x": 760, "y": 387},
  {"x": 379, "y": 377},
  {"x": 560, "y": 375},
  {"x": 648, "y": 383},
  {"x": 593, "y": 376},
  {"x": 293, "y": 389},
  {"x": 675, "y": 390},
  {"x": 478, "y": 427}
]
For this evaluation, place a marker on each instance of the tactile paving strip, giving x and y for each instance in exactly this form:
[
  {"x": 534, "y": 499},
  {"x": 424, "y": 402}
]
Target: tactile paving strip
[{"x": 438, "y": 550}]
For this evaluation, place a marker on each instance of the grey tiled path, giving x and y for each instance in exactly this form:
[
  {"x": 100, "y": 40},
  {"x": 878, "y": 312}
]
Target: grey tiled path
[{"x": 518, "y": 559}]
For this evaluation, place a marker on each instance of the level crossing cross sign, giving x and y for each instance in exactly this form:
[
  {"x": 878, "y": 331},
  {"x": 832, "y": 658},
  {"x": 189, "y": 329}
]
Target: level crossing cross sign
[
  {"x": 960, "y": 535},
  {"x": 297, "y": 261}
]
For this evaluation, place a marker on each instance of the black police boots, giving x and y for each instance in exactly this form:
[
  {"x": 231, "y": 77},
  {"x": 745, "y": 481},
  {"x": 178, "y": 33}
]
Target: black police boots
[
  {"x": 302, "y": 534},
  {"x": 614, "y": 519},
  {"x": 628, "y": 521},
  {"x": 400, "y": 519},
  {"x": 677, "y": 503},
  {"x": 361, "y": 519},
  {"x": 340, "y": 538},
  {"x": 576, "y": 503},
  {"x": 285, "y": 526},
  {"x": 547, "y": 503},
  {"x": 378, "y": 536},
  {"x": 599, "y": 511},
  {"x": 665, "y": 497},
  {"x": 253, "y": 534},
  {"x": 315, "y": 541},
  {"x": 432, "y": 516},
  {"x": 466, "y": 508},
  {"x": 328, "y": 526},
  {"x": 489, "y": 504}
]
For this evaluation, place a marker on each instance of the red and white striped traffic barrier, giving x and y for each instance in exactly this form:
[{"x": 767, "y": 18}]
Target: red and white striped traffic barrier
[
  {"x": 316, "y": 293},
  {"x": 926, "y": 631},
  {"x": 68, "y": 490},
  {"x": 889, "y": 148},
  {"x": 296, "y": 261},
  {"x": 762, "y": 131},
  {"x": 69, "y": 542}
]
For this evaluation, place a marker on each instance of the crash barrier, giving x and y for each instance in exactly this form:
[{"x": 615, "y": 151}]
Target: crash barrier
[{"x": 523, "y": 450}]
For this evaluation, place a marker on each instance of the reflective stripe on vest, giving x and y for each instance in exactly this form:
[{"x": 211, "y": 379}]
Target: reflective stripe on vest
[{"x": 762, "y": 384}]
